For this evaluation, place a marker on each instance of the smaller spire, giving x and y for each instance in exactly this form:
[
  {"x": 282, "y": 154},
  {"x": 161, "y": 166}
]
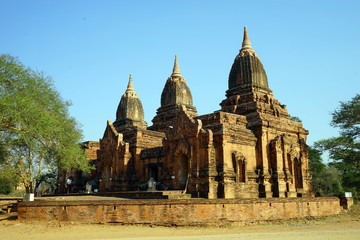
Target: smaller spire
[
  {"x": 130, "y": 86},
  {"x": 129, "y": 109},
  {"x": 176, "y": 69}
]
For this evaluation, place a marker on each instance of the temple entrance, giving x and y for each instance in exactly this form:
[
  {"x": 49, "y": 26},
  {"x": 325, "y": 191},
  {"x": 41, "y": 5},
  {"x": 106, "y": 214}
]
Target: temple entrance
[
  {"x": 298, "y": 174},
  {"x": 238, "y": 161},
  {"x": 183, "y": 170},
  {"x": 153, "y": 172}
]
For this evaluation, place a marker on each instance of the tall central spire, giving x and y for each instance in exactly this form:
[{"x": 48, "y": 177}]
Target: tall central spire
[
  {"x": 247, "y": 70},
  {"x": 176, "y": 69}
]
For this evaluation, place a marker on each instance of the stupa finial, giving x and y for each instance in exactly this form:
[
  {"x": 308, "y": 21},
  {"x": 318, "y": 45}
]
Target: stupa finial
[
  {"x": 176, "y": 69},
  {"x": 130, "y": 84},
  {"x": 246, "y": 45}
]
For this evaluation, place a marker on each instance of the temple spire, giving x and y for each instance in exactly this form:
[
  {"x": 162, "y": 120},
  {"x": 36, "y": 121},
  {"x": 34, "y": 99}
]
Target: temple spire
[
  {"x": 176, "y": 69},
  {"x": 130, "y": 112},
  {"x": 130, "y": 86},
  {"x": 246, "y": 41},
  {"x": 246, "y": 45}
]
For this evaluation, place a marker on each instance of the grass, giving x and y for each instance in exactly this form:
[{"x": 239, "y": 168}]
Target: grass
[
  {"x": 355, "y": 210},
  {"x": 15, "y": 193}
]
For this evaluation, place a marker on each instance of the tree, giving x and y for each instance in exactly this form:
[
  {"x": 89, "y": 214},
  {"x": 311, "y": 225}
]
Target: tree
[
  {"x": 36, "y": 131},
  {"x": 344, "y": 151},
  {"x": 316, "y": 165},
  {"x": 326, "y": 180},
  {"x": 347, "y": 118},
  {"x": 350, "y": 177},
  {"x": 48, "y": 181}
]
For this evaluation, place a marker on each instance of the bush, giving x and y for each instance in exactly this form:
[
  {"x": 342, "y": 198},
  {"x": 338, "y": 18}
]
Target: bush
[
  {"x": 6, "y": 185},
  {"x": 328, "y": 183}
]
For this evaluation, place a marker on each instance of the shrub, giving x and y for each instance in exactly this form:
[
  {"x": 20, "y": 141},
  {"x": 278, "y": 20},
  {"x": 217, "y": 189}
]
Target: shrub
[{"x": 6, "y": 185}]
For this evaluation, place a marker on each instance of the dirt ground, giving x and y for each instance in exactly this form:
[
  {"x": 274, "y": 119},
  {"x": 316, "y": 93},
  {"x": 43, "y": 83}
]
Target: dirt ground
[{"x": 343, "y": 226}]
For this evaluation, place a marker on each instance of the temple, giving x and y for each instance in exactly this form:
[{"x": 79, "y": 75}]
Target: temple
[{"x": 247, "y": 149}]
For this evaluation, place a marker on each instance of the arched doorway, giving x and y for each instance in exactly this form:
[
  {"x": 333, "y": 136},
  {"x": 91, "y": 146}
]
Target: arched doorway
[
  {"x": 182, "y": 170},
  {"x": 238, "y": 161},
  {"x": 298, "y": 173}
]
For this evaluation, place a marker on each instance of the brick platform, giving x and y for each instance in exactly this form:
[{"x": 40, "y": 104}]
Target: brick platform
[{"x": 178, "y": 212}]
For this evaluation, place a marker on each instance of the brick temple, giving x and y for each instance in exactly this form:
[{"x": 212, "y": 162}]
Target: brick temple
[{"x": 247, "y": 149}]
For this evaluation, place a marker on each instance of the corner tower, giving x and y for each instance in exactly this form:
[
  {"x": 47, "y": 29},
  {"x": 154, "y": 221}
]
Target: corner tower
[
  {"x": 174, "y": 95},
  {"x": 281, "y": 150},
  {"x": 249, "y": 90},
  {"x": 130, "y": 112}
]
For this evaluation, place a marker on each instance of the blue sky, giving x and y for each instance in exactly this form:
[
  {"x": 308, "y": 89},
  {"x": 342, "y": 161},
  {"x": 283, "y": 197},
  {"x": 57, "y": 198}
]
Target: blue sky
[{"x": 310, "y": 51}]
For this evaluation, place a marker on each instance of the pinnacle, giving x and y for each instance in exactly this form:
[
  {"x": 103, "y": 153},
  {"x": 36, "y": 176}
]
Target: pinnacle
[
  {"x": 176, "y": 69},
  {"x": 246, "y": 44},
  {"x": 130, "y": 84}
]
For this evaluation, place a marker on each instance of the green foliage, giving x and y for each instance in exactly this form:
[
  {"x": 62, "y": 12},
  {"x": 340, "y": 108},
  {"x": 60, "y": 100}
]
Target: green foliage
[
  {"x": 350, "y": 177},
  {"x": 6, "y": 185},
  {"x": 18, "y": 193},
  {"x": 8, "y": 178},
  {"x": 3, "y": 153},
  {"x": 347, "y": 118},
  {"x": 344, "y": 151},
  {"x": 36, "y": 130},
  {"x": 295, "y": 119},
  {"x": 326, "y": 181},
  {"x": 341, "y": 149},
  {"x": 48, "y": 179},
  {"x": 316, "y": 166}
]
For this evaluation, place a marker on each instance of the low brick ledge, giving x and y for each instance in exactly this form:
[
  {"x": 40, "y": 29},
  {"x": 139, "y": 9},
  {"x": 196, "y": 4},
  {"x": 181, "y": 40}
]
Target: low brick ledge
[
  {"x": 40, "y": 202},
  {"x": 178, "y": 211}
]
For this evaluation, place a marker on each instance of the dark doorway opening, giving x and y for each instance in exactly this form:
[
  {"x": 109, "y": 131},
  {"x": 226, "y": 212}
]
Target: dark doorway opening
[
  {"x": 183, "y": 170},
  {"x": 153, "y": 171}
]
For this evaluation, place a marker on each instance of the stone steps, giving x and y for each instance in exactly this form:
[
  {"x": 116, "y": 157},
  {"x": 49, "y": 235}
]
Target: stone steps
[
  {"x": 9, "y": 207},
  {"x": 176, "y": 194}
]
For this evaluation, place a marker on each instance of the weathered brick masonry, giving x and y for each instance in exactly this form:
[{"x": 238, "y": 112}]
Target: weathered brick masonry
[
  {"x": 179, "y": 212},
  {"x": 250, "y": 148}
]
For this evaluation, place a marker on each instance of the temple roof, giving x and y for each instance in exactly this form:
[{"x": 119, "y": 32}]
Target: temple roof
[
  {"x": 175, "y": 95},
  {"x": 176, "y": 92},
  {"x": 247, "y": 70},
  {"x": 130, "y": 107}
]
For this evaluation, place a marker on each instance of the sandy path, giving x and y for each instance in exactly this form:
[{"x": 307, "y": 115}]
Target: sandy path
[{"x": 330, "y": 228}]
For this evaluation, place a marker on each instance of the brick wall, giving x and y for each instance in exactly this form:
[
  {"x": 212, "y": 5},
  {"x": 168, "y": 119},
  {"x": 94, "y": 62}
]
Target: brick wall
[{"x": 178, "y": 212}]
